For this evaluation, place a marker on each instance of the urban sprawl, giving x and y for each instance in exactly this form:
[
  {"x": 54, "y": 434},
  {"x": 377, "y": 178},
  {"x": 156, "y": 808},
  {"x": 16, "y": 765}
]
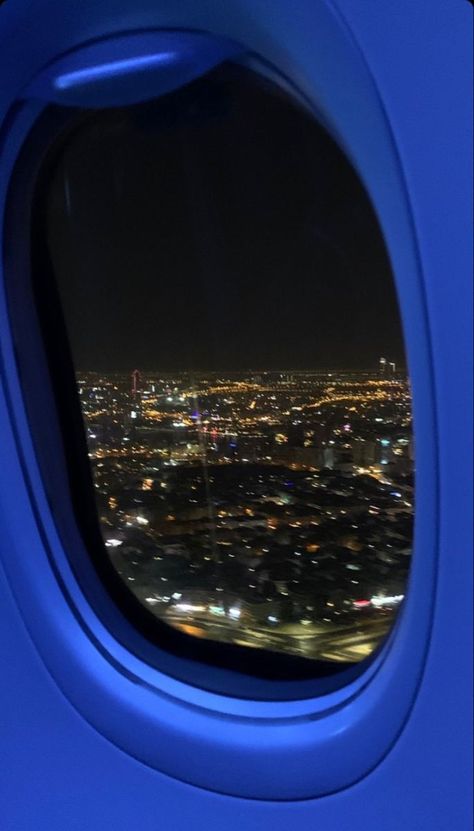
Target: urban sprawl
[{"x": 267, "y": 509}]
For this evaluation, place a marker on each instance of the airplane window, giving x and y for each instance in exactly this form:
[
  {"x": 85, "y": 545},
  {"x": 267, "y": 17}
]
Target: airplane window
[{"x": 239, "y": 364}]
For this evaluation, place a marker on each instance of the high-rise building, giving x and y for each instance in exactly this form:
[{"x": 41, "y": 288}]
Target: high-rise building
[{"x": 136, "y": 380}]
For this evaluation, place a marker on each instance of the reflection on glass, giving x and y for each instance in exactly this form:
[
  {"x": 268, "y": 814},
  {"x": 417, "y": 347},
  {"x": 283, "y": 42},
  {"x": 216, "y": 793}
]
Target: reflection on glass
[{"x": 228, "y": 297}]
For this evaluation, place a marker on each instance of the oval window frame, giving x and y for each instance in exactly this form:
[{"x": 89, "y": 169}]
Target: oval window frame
[
  {"x": 277, "y": 745},
  {"x": 219, "y": 667}
]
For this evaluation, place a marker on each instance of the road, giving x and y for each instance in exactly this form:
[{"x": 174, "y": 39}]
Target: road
[{"x": 320, "y": 641}]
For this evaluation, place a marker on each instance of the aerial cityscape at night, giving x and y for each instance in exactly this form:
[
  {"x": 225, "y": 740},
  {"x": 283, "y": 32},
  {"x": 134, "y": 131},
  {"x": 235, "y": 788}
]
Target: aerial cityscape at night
[
  {"x": 225, "y": 282},
  {"x": 268, "y": 509}
]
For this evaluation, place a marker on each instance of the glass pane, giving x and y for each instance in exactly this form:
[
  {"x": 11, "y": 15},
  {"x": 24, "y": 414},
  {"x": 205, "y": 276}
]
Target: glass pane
[{"x": 228, "y": 298}]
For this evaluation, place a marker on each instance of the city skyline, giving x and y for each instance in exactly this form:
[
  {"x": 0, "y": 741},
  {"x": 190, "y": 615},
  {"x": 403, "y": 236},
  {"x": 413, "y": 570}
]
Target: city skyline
[
  {"x": 273, "y": 509},
  {"x": 305, "y": 370}
]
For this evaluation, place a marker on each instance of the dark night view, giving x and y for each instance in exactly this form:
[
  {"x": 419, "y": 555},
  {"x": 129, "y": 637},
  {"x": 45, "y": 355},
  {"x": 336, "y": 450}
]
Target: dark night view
[{"x": 240, "y": 367}]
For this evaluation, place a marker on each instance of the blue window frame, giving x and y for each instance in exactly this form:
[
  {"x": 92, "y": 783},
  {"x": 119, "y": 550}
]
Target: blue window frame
[
  {"x": 63, "y": 238},
  {"x": 230, "y": 729}
]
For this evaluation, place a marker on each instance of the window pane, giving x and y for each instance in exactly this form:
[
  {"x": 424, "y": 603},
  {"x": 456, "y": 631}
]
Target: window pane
[{"x": 228, "y": 298}]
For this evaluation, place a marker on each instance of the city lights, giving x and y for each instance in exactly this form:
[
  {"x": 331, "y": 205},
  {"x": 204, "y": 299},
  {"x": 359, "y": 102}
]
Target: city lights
[{"x": 223, "y": 488}]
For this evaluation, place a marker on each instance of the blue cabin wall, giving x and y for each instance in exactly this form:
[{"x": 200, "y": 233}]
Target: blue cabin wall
[{"x": 60, "y": 772}]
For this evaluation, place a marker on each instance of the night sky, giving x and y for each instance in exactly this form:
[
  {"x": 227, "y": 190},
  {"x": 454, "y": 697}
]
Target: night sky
[{"x": 218, "y": 228}]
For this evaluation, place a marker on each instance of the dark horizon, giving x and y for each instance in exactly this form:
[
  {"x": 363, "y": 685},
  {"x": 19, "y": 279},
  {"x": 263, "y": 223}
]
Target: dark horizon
[{"x": 400, "y": 369}]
